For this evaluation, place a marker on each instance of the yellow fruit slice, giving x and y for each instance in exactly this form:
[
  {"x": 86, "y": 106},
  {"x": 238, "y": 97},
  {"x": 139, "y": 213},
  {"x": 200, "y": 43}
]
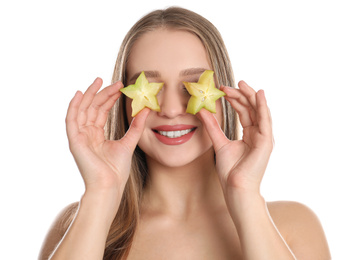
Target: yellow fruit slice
[
  {"x": 203, "y": 93},
  {"x": 143, "y": 94}
]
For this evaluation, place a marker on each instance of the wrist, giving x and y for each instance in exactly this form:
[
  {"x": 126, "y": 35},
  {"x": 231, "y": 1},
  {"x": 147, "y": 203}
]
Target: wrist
[
  {"x": 242, "y": 203},
  {"x": 105, "y": 202},
  {"x": 243, "y": 197},
  {"x": 110, "y": 189}
]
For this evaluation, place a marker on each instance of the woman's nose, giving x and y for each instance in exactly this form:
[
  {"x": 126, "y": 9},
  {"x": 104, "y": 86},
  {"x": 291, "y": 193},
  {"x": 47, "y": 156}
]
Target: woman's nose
[{"x": 172, "y": 103}]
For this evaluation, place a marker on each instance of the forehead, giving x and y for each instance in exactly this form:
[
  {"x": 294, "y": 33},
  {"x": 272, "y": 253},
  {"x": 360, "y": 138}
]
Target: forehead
[{"x": 167, "y": 50}]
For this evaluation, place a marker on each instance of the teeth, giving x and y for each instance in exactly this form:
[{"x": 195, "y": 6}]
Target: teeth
[{"x": 174, "y": 134}]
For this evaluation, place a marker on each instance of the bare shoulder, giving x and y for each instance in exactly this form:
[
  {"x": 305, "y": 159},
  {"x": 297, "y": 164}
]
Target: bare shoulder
[
  {"x": 57, "y": 230},
  {"x": 301, "y": 229}
]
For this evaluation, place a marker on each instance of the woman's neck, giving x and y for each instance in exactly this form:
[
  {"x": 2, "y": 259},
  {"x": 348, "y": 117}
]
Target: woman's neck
[{"x": 184, "y": 191}]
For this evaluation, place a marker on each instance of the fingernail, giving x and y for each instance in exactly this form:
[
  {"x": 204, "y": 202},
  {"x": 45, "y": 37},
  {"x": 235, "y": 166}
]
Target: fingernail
[{"x": 263, "y": 94}]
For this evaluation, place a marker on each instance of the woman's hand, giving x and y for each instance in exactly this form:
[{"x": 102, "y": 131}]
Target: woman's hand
[
  {"x": 103, "y": 164},
  {"x": 241, "y": 164}
]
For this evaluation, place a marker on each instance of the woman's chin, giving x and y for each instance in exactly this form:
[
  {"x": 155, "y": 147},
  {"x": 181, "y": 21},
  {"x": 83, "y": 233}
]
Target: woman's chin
[{"x": 179, "y": 160}]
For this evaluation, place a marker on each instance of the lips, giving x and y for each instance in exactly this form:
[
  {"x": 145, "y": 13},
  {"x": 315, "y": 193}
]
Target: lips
[{"x": 174, "y": 134}]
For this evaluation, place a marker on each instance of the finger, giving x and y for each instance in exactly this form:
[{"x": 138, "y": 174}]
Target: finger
[
  {"x": 136, "y": 128},
  {"x": 263, "y": 115},
  {"x": 242, "y": 106},
  {"x": 249, "y": 93},
  {"x": 105, "y": 109},
  {"x": 213, "y": 129},
  {"x": 72, "y": 126},
  {"x": 102, "y": 103},
  {"x": 87, "y": 99},
  {"x": 243, "y": 112},
  {"x": 234, "y": 93}
]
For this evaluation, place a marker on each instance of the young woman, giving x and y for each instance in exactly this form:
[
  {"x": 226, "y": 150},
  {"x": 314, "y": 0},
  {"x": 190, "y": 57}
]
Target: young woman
[{"x": 192, "y": 196}]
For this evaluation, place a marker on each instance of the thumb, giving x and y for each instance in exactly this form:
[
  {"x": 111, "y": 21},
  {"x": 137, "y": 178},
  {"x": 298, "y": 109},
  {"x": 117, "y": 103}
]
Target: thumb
[
  {"x": 136, "y": 128},
  {"x": 213, "y": 129}
]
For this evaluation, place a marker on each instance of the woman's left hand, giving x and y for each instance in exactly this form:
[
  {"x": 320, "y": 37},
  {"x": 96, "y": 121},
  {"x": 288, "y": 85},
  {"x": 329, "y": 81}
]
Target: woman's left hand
[{"x": 241, "y": 163}]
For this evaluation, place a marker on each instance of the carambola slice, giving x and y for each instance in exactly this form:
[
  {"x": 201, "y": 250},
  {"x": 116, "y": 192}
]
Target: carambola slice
[
  {"x": 143, "y": 94},
  {"x": 203, "y": 93}
]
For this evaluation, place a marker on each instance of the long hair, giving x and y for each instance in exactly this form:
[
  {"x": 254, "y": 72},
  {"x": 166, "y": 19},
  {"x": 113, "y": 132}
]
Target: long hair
[{"x": 123, "y": 228}]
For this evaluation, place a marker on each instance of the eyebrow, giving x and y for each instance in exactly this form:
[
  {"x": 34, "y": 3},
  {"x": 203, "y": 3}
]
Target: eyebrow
[
  {"x": 192, "y": 71},
  {"x": 148, "y": 74},
  {"x": 156, "y": 74}
]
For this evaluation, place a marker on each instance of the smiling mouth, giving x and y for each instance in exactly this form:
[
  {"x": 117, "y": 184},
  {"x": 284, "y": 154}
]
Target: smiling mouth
[{"x": 175, "y": 134}]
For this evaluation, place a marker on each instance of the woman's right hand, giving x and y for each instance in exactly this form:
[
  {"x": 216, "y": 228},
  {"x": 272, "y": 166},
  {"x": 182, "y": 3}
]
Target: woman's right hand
[{"x": 104, "y": 164}]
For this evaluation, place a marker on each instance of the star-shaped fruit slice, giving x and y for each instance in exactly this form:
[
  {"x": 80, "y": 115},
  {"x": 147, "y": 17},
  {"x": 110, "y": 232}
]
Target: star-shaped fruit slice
[
  {"x": 203, "y": 93},
  {"x": 143, "y": 94}
]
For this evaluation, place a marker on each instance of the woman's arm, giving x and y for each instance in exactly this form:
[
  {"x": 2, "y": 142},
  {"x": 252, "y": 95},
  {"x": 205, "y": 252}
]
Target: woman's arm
[
  {"x": 104, "y": 166},
  {"x": 241, "y": 166},
  {"x": 87, "y": 234},
  {"x": 259, "y": 237}
]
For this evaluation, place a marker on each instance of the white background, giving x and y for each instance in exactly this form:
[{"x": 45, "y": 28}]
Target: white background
[{"x": 307, "y": 55}]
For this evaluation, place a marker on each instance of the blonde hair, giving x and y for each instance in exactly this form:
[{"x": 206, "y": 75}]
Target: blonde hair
[{"x": 123, "y": 228}]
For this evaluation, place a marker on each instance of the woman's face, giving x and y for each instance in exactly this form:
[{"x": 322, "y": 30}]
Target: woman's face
[{"x": 171, "y": 137}]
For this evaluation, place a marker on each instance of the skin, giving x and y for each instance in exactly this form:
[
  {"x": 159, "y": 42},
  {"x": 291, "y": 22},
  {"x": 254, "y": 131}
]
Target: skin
[{"x": 191, "y": 208}]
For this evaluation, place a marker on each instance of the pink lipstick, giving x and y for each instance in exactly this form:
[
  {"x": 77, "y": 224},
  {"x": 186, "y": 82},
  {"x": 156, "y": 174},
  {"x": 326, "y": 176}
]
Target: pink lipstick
[{"x": 174, "y": 134}]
